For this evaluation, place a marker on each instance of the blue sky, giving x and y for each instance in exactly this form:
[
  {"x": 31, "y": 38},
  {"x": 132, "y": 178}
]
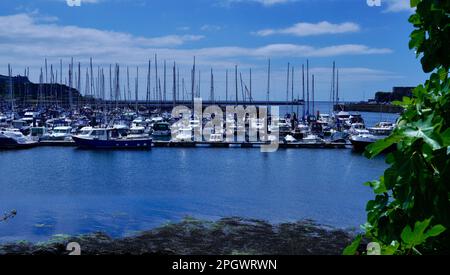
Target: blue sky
[{"x": 369, "y": 44}]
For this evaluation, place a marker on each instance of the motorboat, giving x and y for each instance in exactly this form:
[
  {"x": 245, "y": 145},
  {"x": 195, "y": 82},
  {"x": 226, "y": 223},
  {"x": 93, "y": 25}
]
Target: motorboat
[
  {"x": 110, "y": 138},
  {"x": 281, "y": 125},
  {"x": 137, "y": 133},
  {"x": 358, "y": 128},
  {"x": 14, "y": 139},
  {"x": 4, "y": 121},
  {"x": 161, "y": 129},
  {"x": 380, "y": 131},
  {"x": 312, "y": 139},
  {"x": 36, "y": 133},
  {"x": 289, "y": 139},
  {"x": 59, "y": 133},
  {"x": 22, "y": 125}
]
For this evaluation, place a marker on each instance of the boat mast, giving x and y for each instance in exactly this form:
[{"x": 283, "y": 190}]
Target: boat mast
[
  {"x": 307, "y": 86},
  {"x": 11, "y": 92},
  {"x": 337, "y": 87},
  {"x": 70, "y": 84},
  {"x": 251, "y": 97},
  {"x": 268, "y": 87},
  {"x": 211, "y": 95},
  {"x": 292, "y": 91},
  {"x": 236, "y": 81},
  {"x": 148, "y": 96},
  {"x": 165, "y": 91},
  {"x": 313, "y": 90},
  {"x": 226, "y": 86},
  {"x": 303, "y": 89},
  {"x": 333, "y": 86},
  {"x": 137, "y": 89},
  {"x": 193, "y": 84},
  {"x": 174, "y": 89},
  {"x": 287, "y": 83}
]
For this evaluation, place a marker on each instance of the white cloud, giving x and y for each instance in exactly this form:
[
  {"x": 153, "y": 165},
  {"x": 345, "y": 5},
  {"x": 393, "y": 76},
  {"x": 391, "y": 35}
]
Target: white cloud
[
  {"x": 22, "y": 27},
  {"x": 398, "y": 6},
  {"x": 21, "y": 35},
  {"x": 310, "y": 29},
  {"x": 210, "y": 28},
  {"x": 26, "y": 42}
]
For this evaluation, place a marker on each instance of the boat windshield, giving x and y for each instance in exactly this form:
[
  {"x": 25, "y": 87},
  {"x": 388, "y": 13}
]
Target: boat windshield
[
  {"x": 98, "y": 133},
  {"x": 161, "y": 127}
]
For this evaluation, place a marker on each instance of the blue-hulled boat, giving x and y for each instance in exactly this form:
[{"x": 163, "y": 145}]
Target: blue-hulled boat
[{"x": 103, "y": 138}]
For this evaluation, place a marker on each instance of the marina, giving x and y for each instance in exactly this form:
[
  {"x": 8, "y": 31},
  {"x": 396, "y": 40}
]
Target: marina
[
  {"x": 113, "y": 123},
  {"x": 99, "y": 163}
]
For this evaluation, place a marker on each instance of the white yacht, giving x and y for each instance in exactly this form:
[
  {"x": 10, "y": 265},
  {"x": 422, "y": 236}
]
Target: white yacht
[
  {"x": 137, "y": 133},
  {"x": 14, "y": 139},
  {"x": 60, "y": 133},
  {"x": 380, "y": 131},
  {"x": 312, "y": 139},
  {"x": 357, "y": 129}
]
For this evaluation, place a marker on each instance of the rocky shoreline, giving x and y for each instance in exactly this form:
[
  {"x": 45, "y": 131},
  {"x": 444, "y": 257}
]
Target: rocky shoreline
[{"x": 227, "y": 236}]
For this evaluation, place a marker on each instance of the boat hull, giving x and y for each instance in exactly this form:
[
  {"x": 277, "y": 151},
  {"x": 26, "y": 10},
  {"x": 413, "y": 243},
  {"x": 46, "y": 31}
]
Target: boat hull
[
  {"x": 10, "y": 143},
  {"x": 360, "y": 146},
  {"x": 125, "y": 144}
]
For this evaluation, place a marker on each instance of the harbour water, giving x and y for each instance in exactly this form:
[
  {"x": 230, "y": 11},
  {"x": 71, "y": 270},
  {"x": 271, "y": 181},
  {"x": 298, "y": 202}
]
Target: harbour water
[{"x": 71, "y": 191}]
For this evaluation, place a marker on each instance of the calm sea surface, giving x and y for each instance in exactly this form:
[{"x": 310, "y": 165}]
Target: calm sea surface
[{"x": 72, "y": 191}]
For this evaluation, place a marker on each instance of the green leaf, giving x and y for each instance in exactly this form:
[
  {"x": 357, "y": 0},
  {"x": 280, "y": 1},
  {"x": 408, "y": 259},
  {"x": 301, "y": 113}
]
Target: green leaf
[
  {"x": 418, "y": 236},
  {"x": 414, "y": 3},
  {"x": 415, "y": 237},
  {"x": 377, "y": 186},
  {"x": 390, "y": 249},
  {"x": 435, "y": 231},
  {"x": 446, "y": 138},
  {"x": 353, "y": 247},
  {"x": 376, "y": 148},
  {"x": 424, "y": 129}
]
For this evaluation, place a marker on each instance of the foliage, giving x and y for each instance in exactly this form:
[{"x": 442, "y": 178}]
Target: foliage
[{"x": 411, "y": 210}]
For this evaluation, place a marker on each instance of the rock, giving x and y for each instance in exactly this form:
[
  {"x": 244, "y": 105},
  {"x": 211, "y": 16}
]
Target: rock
[{"x": 226, "y": 236}]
